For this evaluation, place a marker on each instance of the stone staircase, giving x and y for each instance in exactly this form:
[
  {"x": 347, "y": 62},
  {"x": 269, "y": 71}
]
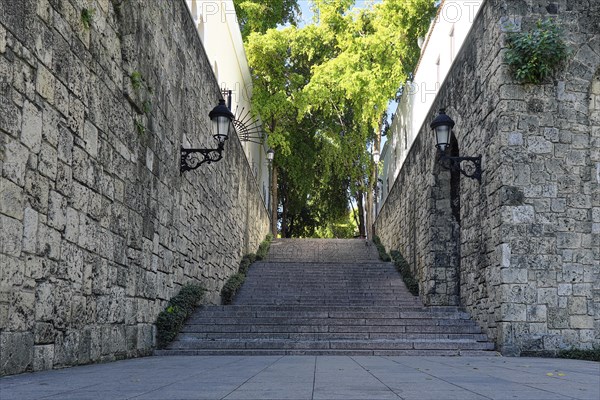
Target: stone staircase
[{"x": 327, "y": 297}]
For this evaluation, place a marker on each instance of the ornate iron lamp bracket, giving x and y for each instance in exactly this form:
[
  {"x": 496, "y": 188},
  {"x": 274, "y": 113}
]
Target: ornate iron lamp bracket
[
  {"x": 193, "y": 158},
  {"x": 471, "y": 170}
]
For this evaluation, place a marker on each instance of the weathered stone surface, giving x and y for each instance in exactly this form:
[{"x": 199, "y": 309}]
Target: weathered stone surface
[
  {"x": 16, "y": 351},
  {"x": 531, "y": 225},
  {"x": 98, "y": 228}
]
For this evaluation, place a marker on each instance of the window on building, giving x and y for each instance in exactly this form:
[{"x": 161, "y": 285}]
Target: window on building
[{"x": 438, "y": 72}]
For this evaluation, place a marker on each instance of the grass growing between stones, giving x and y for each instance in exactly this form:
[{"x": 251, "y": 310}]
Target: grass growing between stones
[
  {"x": 235, "y": 282},
  {"x": 575, "y": 354},
  {"x": 404, "y": 268},
  {"x": 383, "y": 255},
  {"x": 170, "y": 321},
  {"x": 401, "y": 264}
]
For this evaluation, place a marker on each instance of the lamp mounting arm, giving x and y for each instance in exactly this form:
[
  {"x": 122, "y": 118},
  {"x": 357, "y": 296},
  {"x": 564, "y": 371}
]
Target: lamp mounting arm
[
  {"x": 193, "y": 158},
  {"x": 472, "y": 169}
]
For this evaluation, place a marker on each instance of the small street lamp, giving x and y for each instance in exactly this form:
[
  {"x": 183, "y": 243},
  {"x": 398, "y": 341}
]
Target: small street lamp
[
  {"x": 376, "y": 156},
  {"x": 270, "y": 155},
  {"x": 221, "y": 118},
  {"x": 442, "y": 126}
]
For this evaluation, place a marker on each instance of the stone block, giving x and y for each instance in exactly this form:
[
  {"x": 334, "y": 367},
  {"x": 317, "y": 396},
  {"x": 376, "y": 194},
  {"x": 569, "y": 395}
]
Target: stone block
[
  {"x": 31, "y": 135},
  {"x": 43, "y": 333},
  {"x": 537, "y": 313},
  {"x": 539, "y": 145},
  {"x": 57, "y": 211},
  {"x": 11, "y": 199},
  {"x": 12, "y": 273},
  {"x": 581, "y": 322},
  {"x": 21, "y": 311},
  {"x": 90, "y": 135},
  {"x": 15, "y": 161},
  {"x": 11, "y": 235},
  {"x": 513, "y": 312},
  {"x": 44, "y": 307},
  {"x": 578, "y": 305},
  {"x": 568, "y": 240},
  {"x": 48, "y": 244},
  {"x": 47, "y": 165},
  {"x": 558, "y": 318},
  {"x": 30, "y": 230},
  {"x": 36, "y": 189},
  {"x": 43, "y": 357},
  {"x": 565, "y": 289},
  {"x": 16, "y": 352},
  {"x": 71, "y": 225},
  {"x": 45, "y": 83}
]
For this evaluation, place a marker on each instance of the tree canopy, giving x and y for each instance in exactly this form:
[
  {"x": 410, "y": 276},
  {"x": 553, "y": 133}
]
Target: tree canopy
[
  {"x": 260, "y": 15},
  {"x": 321, "y": 91}
]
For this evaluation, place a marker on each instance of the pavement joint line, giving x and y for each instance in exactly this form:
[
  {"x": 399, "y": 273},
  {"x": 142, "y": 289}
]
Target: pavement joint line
[
  {"x": 380, "y": 381},
  {"x": 186, "y": 378},
  {"x": 69, "y": 391},
  {"x": 253, "y": 376},
  {"x": 443, "y": 380},
  {"x": 312, "y": 395}
]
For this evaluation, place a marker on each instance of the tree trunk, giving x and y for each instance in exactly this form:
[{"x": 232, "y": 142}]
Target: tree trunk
[
  {"x": 369, "y": 209},
  {"x": 274, "y": 201},
  {"x": 284, "y": 214},
  {"x": 361, "y": 214}
]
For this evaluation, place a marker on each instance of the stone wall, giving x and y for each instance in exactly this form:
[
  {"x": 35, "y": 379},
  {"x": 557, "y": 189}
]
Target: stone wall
[
  {"x": 98, "y": 227},
  {"x": 521, "y": 249}
]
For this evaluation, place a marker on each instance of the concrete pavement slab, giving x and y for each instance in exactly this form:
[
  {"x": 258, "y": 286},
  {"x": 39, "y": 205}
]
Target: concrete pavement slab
[{"x": 313, "y": 378}]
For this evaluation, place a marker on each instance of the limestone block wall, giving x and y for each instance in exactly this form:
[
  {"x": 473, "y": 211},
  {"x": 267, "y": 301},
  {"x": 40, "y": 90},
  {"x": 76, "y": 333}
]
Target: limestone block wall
[
  {"x": 98, "y": 228},
  {"x": 521, "y": 250}
]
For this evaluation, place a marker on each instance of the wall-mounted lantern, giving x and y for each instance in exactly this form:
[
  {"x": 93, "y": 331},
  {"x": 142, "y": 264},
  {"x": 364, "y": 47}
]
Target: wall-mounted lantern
[
  {"x": 221, "y": 118},
  {"x": 270, "y": 155},
  {"x": 442, "y": 126},
  {"x": 376, "y": 156}
]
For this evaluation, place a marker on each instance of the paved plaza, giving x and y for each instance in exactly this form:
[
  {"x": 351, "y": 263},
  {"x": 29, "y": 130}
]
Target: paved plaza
[{"x": 313, "y": 377}]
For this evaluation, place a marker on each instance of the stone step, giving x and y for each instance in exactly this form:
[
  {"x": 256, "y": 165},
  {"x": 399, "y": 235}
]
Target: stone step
[
  {"x": 319, "y": 336},
  {"x": 321, "y": 328},
  {"x": 330, "y": 352},
  {"x": 331, "y": 321},
  {"x": 397, "y": 344},
  {"x": 329, "y": 297}
]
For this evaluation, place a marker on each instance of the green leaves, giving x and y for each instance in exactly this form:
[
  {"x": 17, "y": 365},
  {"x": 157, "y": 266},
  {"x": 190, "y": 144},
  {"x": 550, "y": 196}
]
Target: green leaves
[
  {"x": 261, "y": 15},
  {"x": 535, "y": 55},
  {"x": 321, "y": 91}
]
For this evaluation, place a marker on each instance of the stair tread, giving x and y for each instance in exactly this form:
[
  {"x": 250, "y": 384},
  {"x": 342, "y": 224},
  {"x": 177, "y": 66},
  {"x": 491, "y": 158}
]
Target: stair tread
[{"x": 328, "y": 297}]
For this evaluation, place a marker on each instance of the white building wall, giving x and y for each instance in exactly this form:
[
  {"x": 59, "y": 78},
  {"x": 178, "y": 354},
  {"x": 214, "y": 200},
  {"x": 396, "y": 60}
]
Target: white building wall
[
  {"x": 220, "y": 34},
  {"x": 444, "y": 40}
]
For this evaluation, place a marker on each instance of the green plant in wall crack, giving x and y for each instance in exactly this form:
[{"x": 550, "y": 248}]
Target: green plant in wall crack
[
  {"x": 535, "y": 55},
  {"x": 86, "y": 17},
  {"x": 140, "y": 128},
  {"x": 170, "y": 321},
  {"x": 235, "y": 282},
  {"x": 136, "y": 80}
]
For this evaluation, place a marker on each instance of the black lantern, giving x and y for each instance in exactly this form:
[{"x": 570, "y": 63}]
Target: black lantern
[
  {"x": 442, "y": 126},
  {"x": 270, "y": 155},
  {"x": 221, "y": 118}
]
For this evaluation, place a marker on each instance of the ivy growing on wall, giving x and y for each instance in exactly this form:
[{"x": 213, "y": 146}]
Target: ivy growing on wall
[{"x": 535, "y": 55}]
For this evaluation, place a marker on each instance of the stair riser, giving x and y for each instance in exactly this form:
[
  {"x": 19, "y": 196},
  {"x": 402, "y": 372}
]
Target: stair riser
[
  {"x": 347, "y": 345},
  {"x": 295, "y": 336},
  {"x": 326, "y": 328},
  {"x": 333, "y": 321}
]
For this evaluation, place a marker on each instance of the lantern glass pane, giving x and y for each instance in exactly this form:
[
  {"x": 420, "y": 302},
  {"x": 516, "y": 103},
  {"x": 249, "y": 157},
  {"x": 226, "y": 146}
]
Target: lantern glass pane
[
  {"x": 221, "y": 128},
  {"x": 442, "y": 134}
]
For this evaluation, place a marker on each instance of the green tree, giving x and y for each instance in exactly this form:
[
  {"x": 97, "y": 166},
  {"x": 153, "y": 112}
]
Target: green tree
[
  {"x": 261, "y": 15},
  {"x": 321, "y": 91}
]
